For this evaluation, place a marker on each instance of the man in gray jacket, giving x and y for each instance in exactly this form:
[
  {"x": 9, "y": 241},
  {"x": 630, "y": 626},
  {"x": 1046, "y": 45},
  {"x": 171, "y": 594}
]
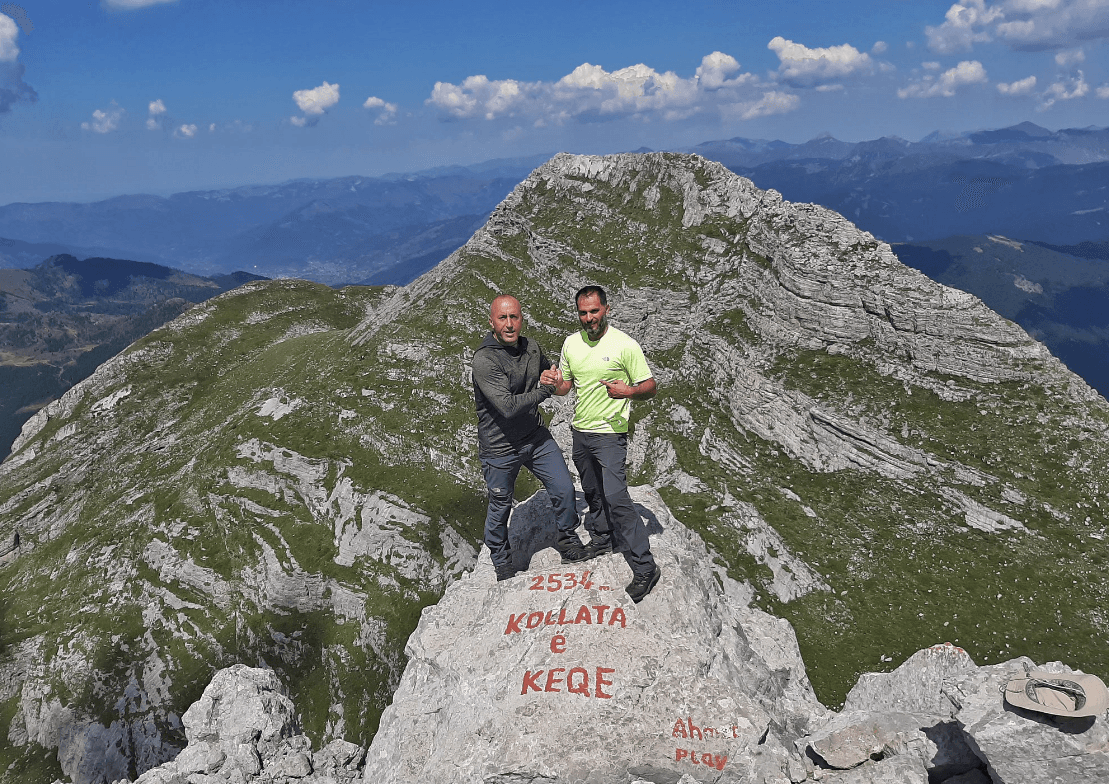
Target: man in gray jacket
[{"x": 512, "y": 376}]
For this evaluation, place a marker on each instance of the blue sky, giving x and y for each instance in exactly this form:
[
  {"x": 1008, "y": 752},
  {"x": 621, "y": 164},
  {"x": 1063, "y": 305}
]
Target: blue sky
[{"x": 158, "y": 96}]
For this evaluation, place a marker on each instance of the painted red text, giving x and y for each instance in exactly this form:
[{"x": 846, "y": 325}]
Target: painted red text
[
  {"x": 517, "y": 622},
  {"x": 575, "y": 680},
  {"x": 560, "y": 582},
  {"x": 712, "y": 760},
  {"x": 687, "y": 729}
]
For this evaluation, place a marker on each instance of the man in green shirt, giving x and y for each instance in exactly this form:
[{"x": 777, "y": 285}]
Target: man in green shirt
[{"x": 609, "y": 371}]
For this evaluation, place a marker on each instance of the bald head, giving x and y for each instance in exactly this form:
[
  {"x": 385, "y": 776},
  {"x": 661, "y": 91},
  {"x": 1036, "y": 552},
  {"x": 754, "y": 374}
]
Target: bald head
[{"x": 506, "y": 319}]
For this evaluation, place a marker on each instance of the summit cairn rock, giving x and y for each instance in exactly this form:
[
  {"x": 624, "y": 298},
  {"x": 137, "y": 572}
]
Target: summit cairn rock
[
  {"x": 244, "y": 729},
  {"x": 1025, "y": 747},
  {"x": 940, "y": 718},
  {"x": 557, "y": 676}
]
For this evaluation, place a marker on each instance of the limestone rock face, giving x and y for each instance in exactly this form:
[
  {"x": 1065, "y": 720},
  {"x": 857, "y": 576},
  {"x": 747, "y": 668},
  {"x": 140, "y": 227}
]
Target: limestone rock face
[
  {"x": 944, "y": 716},
  {"x": 1024, "y": 747},
  {"x": 244, "y": 729},
  {"x": 555, "y": 675},
  {"x": 287, "y": 474}
]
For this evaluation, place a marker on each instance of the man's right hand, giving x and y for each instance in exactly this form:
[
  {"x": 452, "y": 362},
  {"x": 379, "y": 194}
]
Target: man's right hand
[{"x": 551, "y": 377}]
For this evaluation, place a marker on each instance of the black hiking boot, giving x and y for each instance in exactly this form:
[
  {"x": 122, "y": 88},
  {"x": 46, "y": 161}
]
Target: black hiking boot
[
  {"x": 642, "y": 584},
  {"x": 571, "y": 549},
  {"x": 598, "y": 547},
  {"x": 505, "y": 572}
]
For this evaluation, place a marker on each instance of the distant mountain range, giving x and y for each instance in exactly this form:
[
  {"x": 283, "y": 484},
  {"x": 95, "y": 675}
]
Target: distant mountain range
[
  {"x": 1025, "y": 182},
  {"x": 333, "y": 231},
  {"x": 62, "y": 318},
  {"x": 1060, "y": 298}
]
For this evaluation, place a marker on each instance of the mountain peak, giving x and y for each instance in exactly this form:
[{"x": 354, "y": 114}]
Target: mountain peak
[{"x": 287, "y": 474}]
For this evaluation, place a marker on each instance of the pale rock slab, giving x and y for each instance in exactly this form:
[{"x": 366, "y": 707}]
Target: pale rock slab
[
  {"x": 556, "y": 676},
  {"x": 244, "y": 730},
  {"x": 1024, "y": 747}
]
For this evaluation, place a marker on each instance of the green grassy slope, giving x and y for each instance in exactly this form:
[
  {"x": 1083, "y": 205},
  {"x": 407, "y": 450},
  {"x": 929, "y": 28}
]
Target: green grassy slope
[{"x": 202, "y": 518}]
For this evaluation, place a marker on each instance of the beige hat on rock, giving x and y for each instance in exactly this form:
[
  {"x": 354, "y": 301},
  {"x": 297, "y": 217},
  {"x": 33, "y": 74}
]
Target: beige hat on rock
[{"x": 1058, "y": 693}]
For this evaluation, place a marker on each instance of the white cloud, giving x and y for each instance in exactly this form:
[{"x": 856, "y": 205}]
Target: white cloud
[
  {"x": 966, "y": 72},
  {"x": 1103, "y": 91},
  {"x": 12, "y": 87},
  {"x": 1070, "y": 57},
  {"x": 299, "y": 122},
  {"x": 963, "y": 27},
  {"x": 879, "y": 47},
  {"x": 185, "y": 131},
  {"x": 1075, "y": 87},
  {"x": 9, "y": 31},
  {"x": 1023, "y": 24},
  {"x": 589, "y": 92},
  {"x": 388, "y": 112},
  {"x": 317, "y": 100},
  {"x": 1019, "y": 87},
  {"x": 105, "y": 121},
  {"x": 714, "y": 70},
  {"x": 131, "y": 5},
  {"x": 773, "y": 102},
  {"x": 805, "y": 67},
  {"x": 156, "y": 108}
]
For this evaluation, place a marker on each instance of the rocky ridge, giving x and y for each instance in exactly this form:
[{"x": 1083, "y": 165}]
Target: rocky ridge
[
  {"x": 556, "y": 676},
  {"x": 285, "y": 475}
]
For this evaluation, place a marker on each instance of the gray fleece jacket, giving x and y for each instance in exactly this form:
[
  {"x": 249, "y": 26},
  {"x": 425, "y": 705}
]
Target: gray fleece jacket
[{"x": 507, "y": 395}]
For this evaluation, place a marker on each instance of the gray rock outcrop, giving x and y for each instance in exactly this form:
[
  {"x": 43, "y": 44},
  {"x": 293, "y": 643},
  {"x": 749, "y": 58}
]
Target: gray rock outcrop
[
  {"x": 946, "y": 718},
  {"x": 557, "y": 676},
  {"x": 244, "y": 729}
]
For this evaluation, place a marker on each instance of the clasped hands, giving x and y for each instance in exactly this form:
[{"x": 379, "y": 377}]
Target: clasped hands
[
  {"x": 616, "y": 389},
  {"x": 551, "y": 377}
]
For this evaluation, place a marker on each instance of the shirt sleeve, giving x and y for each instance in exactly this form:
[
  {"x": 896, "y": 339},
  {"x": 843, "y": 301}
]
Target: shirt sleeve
[
  {"x": 636, "y": 364},
  {"x": 563, "y": 364},
  {"x": 493, "y": 383}
]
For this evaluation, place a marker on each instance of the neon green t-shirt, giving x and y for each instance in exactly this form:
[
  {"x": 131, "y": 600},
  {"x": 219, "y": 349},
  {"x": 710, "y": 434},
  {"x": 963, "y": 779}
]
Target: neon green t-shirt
[{"x": 616, "y": 356}]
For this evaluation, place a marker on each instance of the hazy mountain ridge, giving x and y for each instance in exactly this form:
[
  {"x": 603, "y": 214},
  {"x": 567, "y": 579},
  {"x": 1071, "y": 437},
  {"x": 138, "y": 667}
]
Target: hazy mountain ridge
[
  {"x": 62, "y": 318},
  {"x": 333, "y": 231},
  {"x": 1025, "y": 141},
  {"x": 1057, "y": 297},
  {"x": 287, "y": 473},
  {"x": 1024, "y": 181}
]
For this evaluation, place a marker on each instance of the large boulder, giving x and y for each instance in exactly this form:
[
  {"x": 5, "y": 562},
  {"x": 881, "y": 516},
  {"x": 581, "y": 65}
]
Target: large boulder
[
  {"x": 557, "y": 676},
  {"x": 943, "y": 716},
  {"x": 244, "y": 729},
  {"x": 1025, "y": 747}
]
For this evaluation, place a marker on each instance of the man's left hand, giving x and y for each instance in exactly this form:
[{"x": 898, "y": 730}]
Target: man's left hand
[{"x": 618, "y": 389}]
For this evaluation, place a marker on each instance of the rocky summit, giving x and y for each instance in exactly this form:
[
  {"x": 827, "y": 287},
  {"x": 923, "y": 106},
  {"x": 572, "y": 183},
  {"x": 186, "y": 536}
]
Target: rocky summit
[
  {"x": 556, "y": 676},
  {"x": 286, "y": 475}
]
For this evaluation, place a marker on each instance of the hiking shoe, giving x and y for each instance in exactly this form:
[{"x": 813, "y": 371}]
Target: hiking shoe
[
  {"x": 575, "y": 553},
  {"x": 596, "y": 547},
  {"x": 505, "y": 572},
  {"x": 642, "y": 584},
  {"x": 571, "y": 549}
]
